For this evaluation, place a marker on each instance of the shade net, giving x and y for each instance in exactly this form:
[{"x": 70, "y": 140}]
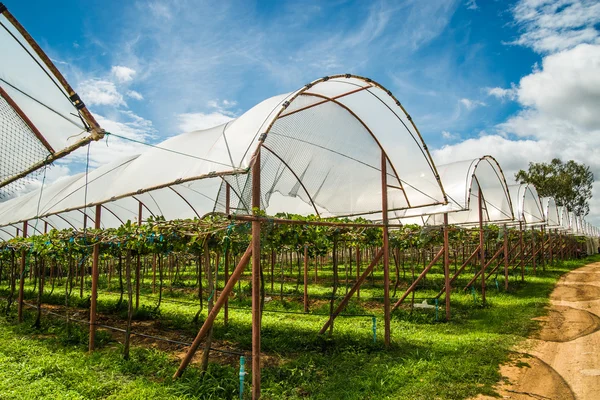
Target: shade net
[
  {"x": 38, "y": 119},
  {"x": 19, "y": 147}
]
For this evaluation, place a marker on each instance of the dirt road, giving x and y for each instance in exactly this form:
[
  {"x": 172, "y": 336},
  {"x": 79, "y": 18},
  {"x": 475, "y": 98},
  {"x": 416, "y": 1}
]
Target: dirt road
[{"x": 563, "y": 361}]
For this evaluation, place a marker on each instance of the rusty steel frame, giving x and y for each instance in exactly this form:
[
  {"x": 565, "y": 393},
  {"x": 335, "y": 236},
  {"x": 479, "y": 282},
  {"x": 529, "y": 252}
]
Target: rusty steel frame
[
  {"x": 256, "y": 270},
  {"x": 95, "y": 276},
  {"x": 447, "y": 283},
  {"x": 22, "y": 277},
  {"x": 386, "y": 250},
  {"x": 212, "y": 315}
]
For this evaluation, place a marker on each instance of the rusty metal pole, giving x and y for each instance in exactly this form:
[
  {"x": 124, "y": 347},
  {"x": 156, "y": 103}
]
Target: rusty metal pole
[
  {"x": 94, "y": 297},
  {"x": 533, "y": 263},
  {"x": 447, "y": 265},
  {"x": 256, "y": 317},
  {"x": 22, "y": 277},
  {"x": 227, "y": 211},
  {"x": 386, "y": 251},
  {"x": 481, "y": 244},
  {"x": 358, "y": 270},
  {"x": 138, "y": 263},
  {"x": 522, "y": 250},
  {"x": 353, "y": 289},
  {"x": 212, "y": 315},
  {"x": 543, "y": 249},
  {"x": 551, "y": 247},
  {"x": 305, "y": 278},
  {"x": 82, "y": 269},
  {"x": 505, "y": 258}
]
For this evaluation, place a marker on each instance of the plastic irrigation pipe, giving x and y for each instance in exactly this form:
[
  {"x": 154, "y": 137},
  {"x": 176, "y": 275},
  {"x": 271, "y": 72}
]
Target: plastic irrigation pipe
[{"x": 242, "y": 376}]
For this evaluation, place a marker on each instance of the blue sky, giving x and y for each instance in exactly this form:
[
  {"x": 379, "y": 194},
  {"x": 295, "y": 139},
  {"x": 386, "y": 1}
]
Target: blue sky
[{"x": 478, "y": 76}]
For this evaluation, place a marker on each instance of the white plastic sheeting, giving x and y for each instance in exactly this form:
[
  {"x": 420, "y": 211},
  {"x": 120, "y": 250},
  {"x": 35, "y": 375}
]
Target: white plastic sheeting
[
  {"x": 462, "y": 182},
  {"x": 551, "y": 214},
  {"x": 322, "y": 152},
  {"x": 526, "y": 204}
]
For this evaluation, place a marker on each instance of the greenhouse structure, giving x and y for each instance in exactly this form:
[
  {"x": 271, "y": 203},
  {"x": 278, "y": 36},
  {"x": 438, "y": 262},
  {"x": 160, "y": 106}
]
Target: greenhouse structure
[{"x": 338, "y": 153}]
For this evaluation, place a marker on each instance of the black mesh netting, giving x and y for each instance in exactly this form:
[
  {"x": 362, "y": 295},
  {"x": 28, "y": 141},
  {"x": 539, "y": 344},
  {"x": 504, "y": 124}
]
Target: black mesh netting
[{"x": 19, "y": 149}]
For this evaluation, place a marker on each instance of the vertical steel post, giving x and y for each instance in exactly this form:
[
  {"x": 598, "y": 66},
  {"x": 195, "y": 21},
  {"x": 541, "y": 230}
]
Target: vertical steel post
[
  {"x": 305, "y": 278},
  {"x": 505, "y": 258},
  {"x": 357, "y": 270},
  {"x": 447, "y": 266},
  {"x": 533, "y": 263},
  {"x": 481, "y": 243},
  {"x": 551, "y": 247},
  {"x": 386, "y": 251},
  {"x": 138, "y": 263},
  {"x": 543, "y": 249},
  {"x": 227, "y": 211},
  {"x": 82, "y": 269},
  {"x": 522, "y": 249},
  {"x": 94, "y": 297},
  {"x": 22, "y": 276},
  {"x": 256, "y": 317}
]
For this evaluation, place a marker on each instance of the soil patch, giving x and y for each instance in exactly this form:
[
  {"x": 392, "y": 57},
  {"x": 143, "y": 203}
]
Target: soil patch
[
  {"x": 563, "y": 324},
  {"x": 574, "y": 293}
]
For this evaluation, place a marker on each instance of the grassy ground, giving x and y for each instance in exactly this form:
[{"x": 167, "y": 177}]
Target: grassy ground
[{"x": 427, "y": 359}]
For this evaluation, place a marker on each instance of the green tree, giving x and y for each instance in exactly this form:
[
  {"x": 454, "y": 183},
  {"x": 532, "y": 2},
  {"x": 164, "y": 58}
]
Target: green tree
[{"x": 569, "y": 183}]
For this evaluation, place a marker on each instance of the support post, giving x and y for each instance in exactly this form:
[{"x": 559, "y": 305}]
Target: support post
[
  {"x": 551, "y": 246},
  {"x": 94, "y": 296},
  {"x": 22, "y": 276},
  {"x": 226, "y": 272},
  {"x": 533, "y": 263},
  {"x": 138, "y": 263},
  {"x": 386, "y": 251},
  {"x": 481, "y": 244},
  {"x": 256, "y": 311},
  {"x": 305, "y": 278},
  {"x": 212, "y": 315},
  {"x": 522, "y": 250},
  {"x": 447, "y": 266},
  {"x": 543, "y": 249},
  {"x": 505, "y": 258}
]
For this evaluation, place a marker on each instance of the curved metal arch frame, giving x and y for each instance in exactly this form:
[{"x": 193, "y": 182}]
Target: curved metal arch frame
[
  {"x": 372, "y": 83},
  {"x": 502, "y": 178}
]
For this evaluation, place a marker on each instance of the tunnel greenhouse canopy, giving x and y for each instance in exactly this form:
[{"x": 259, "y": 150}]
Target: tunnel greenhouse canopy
[{"x": 324, "y": 150}]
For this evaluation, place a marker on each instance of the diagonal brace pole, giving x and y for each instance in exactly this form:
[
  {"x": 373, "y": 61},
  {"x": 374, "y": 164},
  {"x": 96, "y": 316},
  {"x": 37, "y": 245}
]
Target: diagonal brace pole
[
  {"x": 416, "y": 282},
  {"x": 212, "y": 315},
  {"x": 355, "y": 287}
]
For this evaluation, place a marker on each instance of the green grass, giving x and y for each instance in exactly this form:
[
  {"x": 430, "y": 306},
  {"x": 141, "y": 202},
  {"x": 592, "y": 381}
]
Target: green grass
[{"x": 427, "y": 359}]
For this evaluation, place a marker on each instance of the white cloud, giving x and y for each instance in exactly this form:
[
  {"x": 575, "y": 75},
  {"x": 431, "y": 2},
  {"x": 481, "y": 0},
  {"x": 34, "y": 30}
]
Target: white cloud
[
  {"x": 472, "y": 5},
  {"x": 502, "y": 94},
  {"x": 471, "y": 104},
  {"x": 449, "y": 136},
  {"x": 198, "y": 121},
  {"x": 135, "y": 95},
  {"x": 559, "y": 118},
  {"x": 123, "y": 74},
  {"x": 551, "y": 26},
  {"x": 100, "y": 92}
]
